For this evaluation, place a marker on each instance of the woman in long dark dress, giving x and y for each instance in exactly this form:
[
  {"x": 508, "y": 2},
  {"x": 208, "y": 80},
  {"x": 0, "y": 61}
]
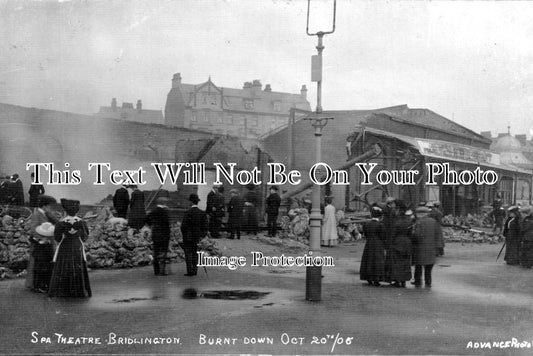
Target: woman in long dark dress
[
  {"x": 401, "y": 248},
  {"x": 511, "y": 231},
  {"x": 137, "y": 215},
  {"x": 372, "y": 267},
  {"x": 70, "y": 277},
  {"x": 526, "y": 255}
]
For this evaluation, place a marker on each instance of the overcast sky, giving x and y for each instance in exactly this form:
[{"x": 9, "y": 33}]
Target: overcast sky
[{"x": 469, "y": 61}]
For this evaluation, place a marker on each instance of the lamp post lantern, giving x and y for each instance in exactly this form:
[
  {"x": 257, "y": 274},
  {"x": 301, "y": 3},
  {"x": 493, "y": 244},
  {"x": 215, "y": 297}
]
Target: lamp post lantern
[{"x": 313, "y": 285}]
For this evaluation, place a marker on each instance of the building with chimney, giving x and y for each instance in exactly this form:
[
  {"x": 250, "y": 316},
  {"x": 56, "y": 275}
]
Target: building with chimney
[
  {"x": 127, "y": 112},
  {"x": 250, "y": 112}
]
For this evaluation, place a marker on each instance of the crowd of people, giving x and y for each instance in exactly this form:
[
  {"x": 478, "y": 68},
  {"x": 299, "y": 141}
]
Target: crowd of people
[
  {"x": 396, "y": 240},
  {"x": 12, "y": 191}
]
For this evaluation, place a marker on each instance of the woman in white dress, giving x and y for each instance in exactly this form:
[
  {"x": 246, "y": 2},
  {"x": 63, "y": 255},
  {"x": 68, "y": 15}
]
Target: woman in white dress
[{"x": 329, "y": 225}]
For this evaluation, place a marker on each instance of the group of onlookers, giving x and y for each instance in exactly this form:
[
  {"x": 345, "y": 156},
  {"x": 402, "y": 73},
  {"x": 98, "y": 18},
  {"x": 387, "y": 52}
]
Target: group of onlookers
[
  {"x": 130, "y": 208},
  {"x": 241, "y": 211},
  {"x": 12, "y": 191},
  {"x": 397, "y": 239},
  {"x": 518, "y": 232}
]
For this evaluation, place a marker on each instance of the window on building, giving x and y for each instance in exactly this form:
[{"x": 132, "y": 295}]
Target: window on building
[
  {"x": 205, "y": 117},
  {"x": 248, "y": 104},
  {"x": 193, "y": 117},
  {"x": 229, "y": 119},
  {"x": 276, "y": 106}
]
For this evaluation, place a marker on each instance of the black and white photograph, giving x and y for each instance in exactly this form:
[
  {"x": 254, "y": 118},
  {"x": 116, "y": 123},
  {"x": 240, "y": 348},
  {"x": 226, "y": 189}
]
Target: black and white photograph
[{"x": 266, "y": 177}]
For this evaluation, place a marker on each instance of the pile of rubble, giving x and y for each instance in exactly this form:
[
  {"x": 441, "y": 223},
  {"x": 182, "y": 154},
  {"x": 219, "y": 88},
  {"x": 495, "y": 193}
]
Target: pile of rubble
[
  {"x": 475, "y": 220},
  {"x": 14, "y": 244},
  {"x": 469, "y": 236},
  {"x": 111, "y": 244}
]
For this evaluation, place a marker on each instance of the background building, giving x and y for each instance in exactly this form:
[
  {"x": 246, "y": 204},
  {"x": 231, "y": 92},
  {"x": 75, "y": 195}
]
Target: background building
[
  {"x": 250, "y": 112},
  {"x": 127, "y": 112},
  {"x": 408, "y": 138}
]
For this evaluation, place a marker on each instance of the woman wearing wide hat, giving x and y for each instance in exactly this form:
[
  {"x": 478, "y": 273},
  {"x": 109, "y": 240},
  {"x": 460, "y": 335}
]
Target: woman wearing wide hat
[
  {"x": 42, "y": 246},
  {"x": 70, "y": 277}
]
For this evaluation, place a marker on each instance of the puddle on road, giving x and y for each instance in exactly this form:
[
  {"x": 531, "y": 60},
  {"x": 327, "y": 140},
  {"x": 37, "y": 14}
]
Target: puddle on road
[
  {"x": 191, "y": 293},
  {"x": 130, "y": 300}
]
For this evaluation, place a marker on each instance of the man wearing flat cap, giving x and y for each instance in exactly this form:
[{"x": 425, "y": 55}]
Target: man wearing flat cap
[
  {"x": 273, "y": 201},
  {"x": 193, "y": 229},
  {"x": 427, "y": 233},
  {"x": 235, "y": 210}
]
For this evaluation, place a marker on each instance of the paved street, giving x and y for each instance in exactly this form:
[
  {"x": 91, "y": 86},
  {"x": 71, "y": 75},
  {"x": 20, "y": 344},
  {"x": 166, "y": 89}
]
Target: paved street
[{"x": 474, "y": 299}]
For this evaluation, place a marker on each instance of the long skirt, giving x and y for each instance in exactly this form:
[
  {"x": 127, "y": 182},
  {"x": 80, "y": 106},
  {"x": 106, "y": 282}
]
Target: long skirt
[
  {"x": 373, "y": 262},
  {"x": 526, "y": 257},
  {"x": 512, "y": 252},
  {"x": 70, "y": 277}
]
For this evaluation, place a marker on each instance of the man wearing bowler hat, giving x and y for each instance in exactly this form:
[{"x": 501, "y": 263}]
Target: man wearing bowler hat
[
  {"x": 193, "y": 229},
  {"x": 427, "y": 234}
]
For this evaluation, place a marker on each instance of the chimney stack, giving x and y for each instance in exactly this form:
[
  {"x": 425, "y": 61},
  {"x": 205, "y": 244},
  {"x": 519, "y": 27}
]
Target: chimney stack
[
  {"x": 139, "y": 105},
  {"x": 268, "y": 88},
  {"x": 303, "y": 92},
  {"x": 256, "y": 85},
  {"x": 176, "y": 80},
  {"x": 114, "y": 104}
]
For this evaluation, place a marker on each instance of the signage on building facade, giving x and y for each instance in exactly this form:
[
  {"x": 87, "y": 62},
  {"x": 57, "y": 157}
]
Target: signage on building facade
[{"x": 456, "y": 152}]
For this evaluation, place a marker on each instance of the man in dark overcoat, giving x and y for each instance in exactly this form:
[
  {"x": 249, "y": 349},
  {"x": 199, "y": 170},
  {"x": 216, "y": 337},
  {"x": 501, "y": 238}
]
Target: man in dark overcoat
[
  {"x": 426, "y": 236},
  {"x": 121, "y": 201},
  {"x": 235, "y": 210},
  {"x": 34, "y": 192},
  {"x": 193, "y": 229},
  {"x": 250, "y": 214},
  {"x": 137, "y": 214},
  {"x": 17, "y": 190},
  {"x": 273, "y": 201},
  {"x": 436, "y": 214},
  {"x": 215, "y": 210},
  {"x": 159, "y": 222}
]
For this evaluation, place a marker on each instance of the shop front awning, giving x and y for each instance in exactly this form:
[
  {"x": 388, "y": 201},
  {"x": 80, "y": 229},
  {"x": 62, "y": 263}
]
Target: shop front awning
[{"x": 450, "y": 151}]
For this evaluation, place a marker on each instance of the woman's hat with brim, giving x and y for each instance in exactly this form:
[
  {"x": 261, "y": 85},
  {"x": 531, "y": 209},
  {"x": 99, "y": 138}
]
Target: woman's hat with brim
[
  {"x": 45, "y": 229},
  {"x": 71, "y": 206}
]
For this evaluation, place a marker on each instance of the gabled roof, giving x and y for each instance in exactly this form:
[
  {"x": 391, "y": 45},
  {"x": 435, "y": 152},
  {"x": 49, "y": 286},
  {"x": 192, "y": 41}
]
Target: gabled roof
[{"x": 263, "y": 101}]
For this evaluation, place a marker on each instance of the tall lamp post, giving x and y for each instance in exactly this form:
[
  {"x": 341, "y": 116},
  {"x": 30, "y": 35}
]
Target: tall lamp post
[{"x": 313, "y": 283}]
